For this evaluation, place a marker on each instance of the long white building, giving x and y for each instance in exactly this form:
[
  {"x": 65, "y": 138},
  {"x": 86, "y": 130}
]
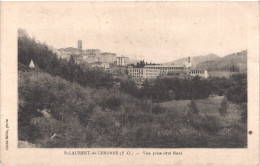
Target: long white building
[
  {"x": 152, "y": 71},
  {"x": 167, "y": 68},
  {"x": 143, "y": 72}
]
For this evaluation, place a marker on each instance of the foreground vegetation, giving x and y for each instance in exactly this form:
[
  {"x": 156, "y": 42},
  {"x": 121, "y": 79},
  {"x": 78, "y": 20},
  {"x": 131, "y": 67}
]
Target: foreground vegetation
[
  {"x": 174, "y": 88},
  {"x": 87, "y": 117}
]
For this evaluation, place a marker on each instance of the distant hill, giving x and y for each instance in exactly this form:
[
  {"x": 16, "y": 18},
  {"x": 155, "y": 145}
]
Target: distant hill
[
  {"x": 232, "y": 62},
  {"x": 194, "y": 60}
]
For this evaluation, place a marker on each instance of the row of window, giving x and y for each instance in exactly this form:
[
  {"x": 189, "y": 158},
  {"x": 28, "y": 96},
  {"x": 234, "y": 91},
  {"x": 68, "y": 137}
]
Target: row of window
[
  {"x": 167, "y": 68},
  {"x": 135, "y": 73},
  {"x": 197, "y": 72},
  {"x": 135, "y": 70},
  {"x": 151, "y": 70}
]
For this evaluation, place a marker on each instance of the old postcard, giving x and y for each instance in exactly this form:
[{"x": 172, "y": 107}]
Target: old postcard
[{"x": 129, "y": 83}]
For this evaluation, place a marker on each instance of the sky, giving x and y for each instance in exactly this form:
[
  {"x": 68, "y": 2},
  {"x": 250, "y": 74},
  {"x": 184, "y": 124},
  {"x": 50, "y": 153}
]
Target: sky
[{"x": 153, "y": 31}]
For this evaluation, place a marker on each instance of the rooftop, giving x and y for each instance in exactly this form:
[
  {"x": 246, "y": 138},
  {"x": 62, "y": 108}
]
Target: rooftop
[
  {"x": 122, "y": 57},
  {"x": 164, "y": 66},
  {"x": 198, "y": 69},
  {"x": 104, "y": 53}
]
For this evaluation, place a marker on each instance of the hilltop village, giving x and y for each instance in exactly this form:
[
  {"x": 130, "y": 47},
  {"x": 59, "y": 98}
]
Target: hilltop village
[{"x": 110, "y": 61}]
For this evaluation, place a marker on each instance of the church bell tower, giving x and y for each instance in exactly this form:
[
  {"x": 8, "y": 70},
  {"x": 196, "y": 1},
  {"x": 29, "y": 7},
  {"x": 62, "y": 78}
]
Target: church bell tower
[{"x": 80, "y": 44}]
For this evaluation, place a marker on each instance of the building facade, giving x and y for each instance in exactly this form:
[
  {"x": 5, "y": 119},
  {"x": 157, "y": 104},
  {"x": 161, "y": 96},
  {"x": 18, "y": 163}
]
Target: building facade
[
  {"x": 107, "y": 57},
  {"x": 77, "y": 58},
  {"x": 136, "y": 72},
  {"x": 199, "y": 72},
  {"x": 90, "y": 55},
  {"x": 153, "y": 71},
  {"x": 143, "y": 72},
  {"x": 122, "y": 61},
  {"x": 150, "y": 73},
  {"x": 104, "y": 66},
  {"x": 167, "y": 68}
]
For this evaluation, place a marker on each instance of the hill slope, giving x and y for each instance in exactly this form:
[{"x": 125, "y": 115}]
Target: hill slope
[
  {"x": 194, "y": 60},
  {"x": 231, "y": 62},
  {"x": 54, "y": 112}
]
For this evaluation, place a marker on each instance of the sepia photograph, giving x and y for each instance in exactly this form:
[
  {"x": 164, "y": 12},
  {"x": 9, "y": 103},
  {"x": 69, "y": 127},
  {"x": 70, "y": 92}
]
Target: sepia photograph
[
  {"x": 129, "y": 83},
  {"x": 136, "y": 76}
]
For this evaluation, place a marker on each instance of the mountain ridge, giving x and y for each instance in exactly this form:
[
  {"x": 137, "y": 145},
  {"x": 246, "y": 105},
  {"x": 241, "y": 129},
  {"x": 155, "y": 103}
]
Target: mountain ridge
[
  {"x": 194, "y": 60},
  {"x": 231, "y": 62}
]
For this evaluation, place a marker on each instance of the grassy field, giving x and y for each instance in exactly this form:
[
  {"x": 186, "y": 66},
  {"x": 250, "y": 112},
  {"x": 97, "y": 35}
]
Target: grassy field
[
  {"x": 209, "y": 107},
  {"x": 231, "y": 123}
]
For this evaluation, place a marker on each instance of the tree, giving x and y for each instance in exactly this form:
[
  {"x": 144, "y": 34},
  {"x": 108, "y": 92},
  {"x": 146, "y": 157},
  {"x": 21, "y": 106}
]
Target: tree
[
  {"x": 137, "y": 64},
  {"x": 142, "y": 63},
  {"x": 129, "y": 87},
  {"x": 223, "y": 107},
  {"x": 193, "y": 107}
]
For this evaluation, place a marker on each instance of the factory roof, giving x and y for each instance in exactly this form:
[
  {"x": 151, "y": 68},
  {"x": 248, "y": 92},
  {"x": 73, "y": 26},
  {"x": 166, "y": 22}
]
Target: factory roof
[
  {"x": 198, "y": 69},
  {"x": 163, "y": 66}
]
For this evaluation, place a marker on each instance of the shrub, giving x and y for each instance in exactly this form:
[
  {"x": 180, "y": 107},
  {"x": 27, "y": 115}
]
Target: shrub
[
  {"x": 235, "y": 137},
  {"x": 191, "y": 138},
  {"x": 193, "y": 109},
  {"x": 113, "y": 103},
  {"x": 223, "y": 107},
  {"x": 157, "y": 109},
  {"x": 208, "y": 124},
  {"x": 145, "y": 135},
  {"x": 211, "y": 124}
]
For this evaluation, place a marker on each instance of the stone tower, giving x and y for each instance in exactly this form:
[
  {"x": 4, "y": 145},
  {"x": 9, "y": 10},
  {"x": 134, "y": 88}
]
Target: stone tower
[
  {"x": 80, "y": 44},
  {"x": 188, "y": 63}
]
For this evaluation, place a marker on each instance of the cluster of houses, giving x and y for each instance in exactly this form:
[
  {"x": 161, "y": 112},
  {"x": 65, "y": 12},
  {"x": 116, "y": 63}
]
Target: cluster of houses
[
  {"x": 106, "y": 60},
  {"x": 94, "y": 57}
]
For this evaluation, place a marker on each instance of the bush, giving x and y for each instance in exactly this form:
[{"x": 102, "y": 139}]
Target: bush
[
  {"x": 157, "y": 109},
  {"x": 237, "y": 92},
  {"x": 193, "y": 109},
  {"x": 145, "y": 135},
  {"x": 236, "y": 137},
  {"x": 211, "y": 124},
  {"x": 38, "y": 91},
  {"x": 191, "y": 138},
  {"x": 113, "y": 103},
  {"x": 206, "y": 124},
  {"x": 223, "y": 107}
]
